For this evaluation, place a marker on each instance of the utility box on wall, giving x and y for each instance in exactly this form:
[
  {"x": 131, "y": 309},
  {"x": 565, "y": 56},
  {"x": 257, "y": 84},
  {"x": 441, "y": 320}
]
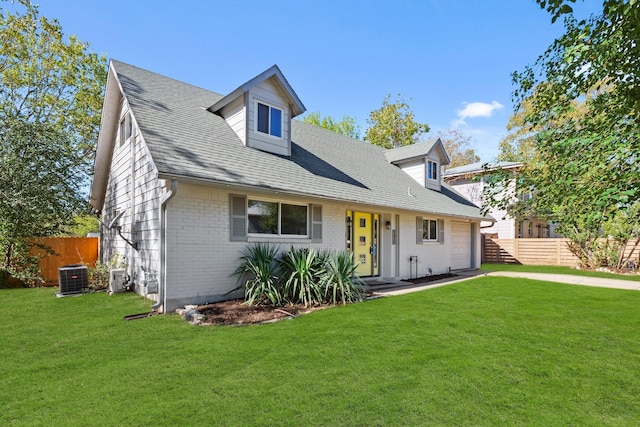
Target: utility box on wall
[
  {"x": 117, "y": 280},
  {"x": 73, "y": 279}
]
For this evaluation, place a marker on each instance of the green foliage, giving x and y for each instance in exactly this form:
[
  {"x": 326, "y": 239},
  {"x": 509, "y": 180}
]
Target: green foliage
[
  {"x": 50, "y": 102},
  {"x": 83, "y": 225},
  {"x": 457, "y": 146},
  {"x": 298, "y": 276},
  {"x": 394, "y": 125},
  {"x": 259, "y": 274},
  {"x": 300, "y": 269},
  {"x": 579, "y": 104},
  {"x": 346, "y": 126},
  {"x": 98, "y": 275},
  {"x": 339, "y": 280}
]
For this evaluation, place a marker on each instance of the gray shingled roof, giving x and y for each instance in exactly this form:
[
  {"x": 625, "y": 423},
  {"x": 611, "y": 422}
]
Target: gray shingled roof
[
  {"x": 185, "y": 140},
  {"x": 407, "y": 152}
]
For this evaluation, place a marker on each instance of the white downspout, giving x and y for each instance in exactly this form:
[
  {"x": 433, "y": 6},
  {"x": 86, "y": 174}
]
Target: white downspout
[{"x": 162, "y": 276}]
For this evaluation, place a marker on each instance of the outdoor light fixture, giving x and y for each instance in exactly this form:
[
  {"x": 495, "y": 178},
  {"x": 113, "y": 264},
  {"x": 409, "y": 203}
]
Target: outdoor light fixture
[{"x": 387, "y": 225}]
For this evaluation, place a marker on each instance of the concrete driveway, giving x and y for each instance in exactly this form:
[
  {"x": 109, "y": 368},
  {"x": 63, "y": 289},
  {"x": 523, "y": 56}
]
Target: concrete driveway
[{"x": 559, "y": 278}]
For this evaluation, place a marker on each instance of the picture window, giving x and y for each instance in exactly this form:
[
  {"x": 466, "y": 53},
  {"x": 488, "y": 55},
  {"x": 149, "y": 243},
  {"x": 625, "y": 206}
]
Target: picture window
[{"x": 277, "y": 218}]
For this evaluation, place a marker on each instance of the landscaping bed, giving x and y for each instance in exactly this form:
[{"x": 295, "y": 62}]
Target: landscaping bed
[{"x": 236, "y": 312}]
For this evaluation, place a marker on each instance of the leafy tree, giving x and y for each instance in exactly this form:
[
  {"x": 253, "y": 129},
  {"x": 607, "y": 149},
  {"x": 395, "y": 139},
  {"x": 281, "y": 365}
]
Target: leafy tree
[
  {"x": 520, "y": 143},
  {"x": 586, "y": 171},
  {"x": 83, "y": 225},
  {"x": 457, "y": 145},
  {"x": 346, "y": 126},
  {"x": 394, "y": 125},
  {"x": 50, "y": 102}
]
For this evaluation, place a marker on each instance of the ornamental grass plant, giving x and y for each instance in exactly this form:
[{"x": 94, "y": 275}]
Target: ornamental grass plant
[{"x": 297, "y": 276}]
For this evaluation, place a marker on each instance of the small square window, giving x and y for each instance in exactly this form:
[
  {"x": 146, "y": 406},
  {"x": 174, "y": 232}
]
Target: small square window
[
  {"x": 269, "y": 120},
  {"x": 430, "y": 229}
]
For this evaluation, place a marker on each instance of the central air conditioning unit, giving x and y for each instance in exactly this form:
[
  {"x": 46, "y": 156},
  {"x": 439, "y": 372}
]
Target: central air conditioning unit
[
  {"x": 73, "y": 279},
  {"x": 117, "y": 278}
]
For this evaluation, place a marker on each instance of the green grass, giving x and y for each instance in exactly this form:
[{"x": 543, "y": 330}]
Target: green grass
[
  {"x": 553, "y": 269},
  {"x": 490, "y": 351}
]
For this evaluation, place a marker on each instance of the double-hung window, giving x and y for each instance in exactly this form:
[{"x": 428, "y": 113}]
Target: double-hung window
[
  {"x": 430, "y": 230},
  {"x": 432, "y": 170},
  {"x": 269, "y": 120}
]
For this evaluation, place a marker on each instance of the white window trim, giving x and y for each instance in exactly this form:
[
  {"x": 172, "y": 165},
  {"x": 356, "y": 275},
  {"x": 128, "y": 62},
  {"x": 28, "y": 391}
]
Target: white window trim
[
  {"x": 279, "y": 235},
  {"x": 257, "y": 101},
  {"x": 435, "y": 168},
  {"x": 437, "y": 233},
  {"x": 125, "y": 126}
]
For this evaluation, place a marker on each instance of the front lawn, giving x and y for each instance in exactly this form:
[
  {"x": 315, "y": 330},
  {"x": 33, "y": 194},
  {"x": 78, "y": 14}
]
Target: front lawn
[
  {"x": 489, "y": 351},
  {"x": 555, "y": 269}
]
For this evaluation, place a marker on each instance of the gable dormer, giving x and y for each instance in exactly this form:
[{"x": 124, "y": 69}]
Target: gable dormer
[
  {"x": 423, "y": 161},
  {"x": 260, "y": 112}
]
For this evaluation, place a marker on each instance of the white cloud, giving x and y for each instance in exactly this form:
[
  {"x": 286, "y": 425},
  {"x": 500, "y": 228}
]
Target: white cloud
[{"x": 475, "y": 109}]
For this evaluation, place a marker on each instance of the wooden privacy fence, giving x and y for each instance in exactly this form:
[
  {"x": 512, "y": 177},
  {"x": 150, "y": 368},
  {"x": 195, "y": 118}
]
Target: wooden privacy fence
[
  {"x": 530, "y": 252},
  {"x": 67, "y": 250}
]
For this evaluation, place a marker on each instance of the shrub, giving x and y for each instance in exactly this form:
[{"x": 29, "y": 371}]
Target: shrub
[
  {"x": 259, "y": 274},
  {"x": 300, "y": 269},
  {"x": 298, "y": 276},
  {"x": 340, "y": 283},
  {"x": 99, "y": 274}
]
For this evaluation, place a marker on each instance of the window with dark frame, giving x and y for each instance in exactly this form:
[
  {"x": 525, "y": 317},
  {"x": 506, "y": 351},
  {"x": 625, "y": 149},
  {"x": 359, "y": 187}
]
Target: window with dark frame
[
  {"x": 277, "y": 218},
  {"x": 269, "y": 120},
  {"x": 432, "y": 170}
]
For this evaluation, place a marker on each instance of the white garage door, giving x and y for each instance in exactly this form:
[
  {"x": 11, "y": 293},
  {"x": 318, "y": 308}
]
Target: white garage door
[{"x": 460, "y": 245}]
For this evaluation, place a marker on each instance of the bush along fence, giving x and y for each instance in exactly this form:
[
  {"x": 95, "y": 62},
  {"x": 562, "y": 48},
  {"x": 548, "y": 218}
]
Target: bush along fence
[
  {"x": 540, "y": 252},
  {"x": 297, "y": 276}
]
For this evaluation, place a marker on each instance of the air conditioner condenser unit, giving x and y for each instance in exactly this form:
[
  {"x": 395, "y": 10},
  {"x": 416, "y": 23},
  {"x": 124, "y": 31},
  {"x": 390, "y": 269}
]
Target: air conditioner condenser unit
[{"x": 73, "y": 279}]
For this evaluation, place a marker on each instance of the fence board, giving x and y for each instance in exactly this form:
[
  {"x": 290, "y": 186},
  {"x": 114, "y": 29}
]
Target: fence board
[
  {"x": 534, "y": 252},
  {"x": 67, "y": 250}
]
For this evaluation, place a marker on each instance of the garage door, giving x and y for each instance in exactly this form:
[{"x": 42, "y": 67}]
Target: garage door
[{"x": 460, "y": 245}]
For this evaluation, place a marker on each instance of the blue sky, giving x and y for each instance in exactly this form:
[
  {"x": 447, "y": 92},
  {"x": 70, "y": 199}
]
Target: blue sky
[{"x": 452, "y": 58}]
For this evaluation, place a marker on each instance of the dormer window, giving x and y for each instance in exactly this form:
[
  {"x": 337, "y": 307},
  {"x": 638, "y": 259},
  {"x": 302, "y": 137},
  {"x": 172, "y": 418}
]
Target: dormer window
[
  {"x": 269, "y": 120},
  {"x": 432, "y": 170}
]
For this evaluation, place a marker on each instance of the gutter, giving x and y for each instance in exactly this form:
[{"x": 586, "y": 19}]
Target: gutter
[
  {"x": 263, "y": 189},
  {"x": 162, "y": 276}
]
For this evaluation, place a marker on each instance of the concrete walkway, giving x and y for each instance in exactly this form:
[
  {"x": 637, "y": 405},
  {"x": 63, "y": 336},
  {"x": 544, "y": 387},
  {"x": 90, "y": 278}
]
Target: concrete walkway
[
  {"x": 559, "y": 278},
  {"x": 574, "y": 280}
]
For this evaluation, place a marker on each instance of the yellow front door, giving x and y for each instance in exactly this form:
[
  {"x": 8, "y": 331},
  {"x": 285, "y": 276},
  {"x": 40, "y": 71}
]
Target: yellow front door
[{"x": 364, "y": 242}]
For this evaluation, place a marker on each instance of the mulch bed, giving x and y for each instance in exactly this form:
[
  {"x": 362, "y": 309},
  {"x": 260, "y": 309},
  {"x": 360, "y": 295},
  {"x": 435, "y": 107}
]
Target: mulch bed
[
  {"x": 432, "y": 278},
  {"x": 236, "y": 312}
]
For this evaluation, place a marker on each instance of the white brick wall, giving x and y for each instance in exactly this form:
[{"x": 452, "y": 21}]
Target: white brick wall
[{"x": 201, "y": 257}]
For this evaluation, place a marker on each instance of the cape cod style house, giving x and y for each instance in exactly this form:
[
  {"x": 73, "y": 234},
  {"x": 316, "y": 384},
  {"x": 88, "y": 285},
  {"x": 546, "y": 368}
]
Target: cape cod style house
[{"x": 186, "y": 178}]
